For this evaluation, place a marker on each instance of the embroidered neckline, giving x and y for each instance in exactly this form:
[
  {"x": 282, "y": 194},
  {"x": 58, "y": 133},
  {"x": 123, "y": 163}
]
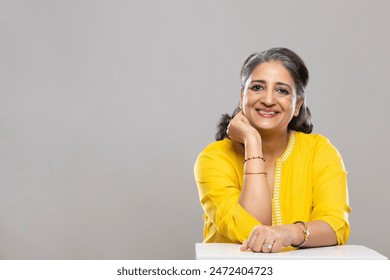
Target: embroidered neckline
[{"x": 276, "y": 211}]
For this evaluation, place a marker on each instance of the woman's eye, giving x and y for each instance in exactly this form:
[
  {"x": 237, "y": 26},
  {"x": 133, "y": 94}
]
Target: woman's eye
[
  {"x": 283, "y": 91},
  {"x": 256, "y": 87}
]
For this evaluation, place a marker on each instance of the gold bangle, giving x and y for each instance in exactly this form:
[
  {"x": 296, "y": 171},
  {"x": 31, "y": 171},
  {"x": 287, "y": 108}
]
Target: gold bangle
[
  {"x": 254, "y": 158},
  {"x": 306, "y": 233},
  {"x": 254, "y": 173}
]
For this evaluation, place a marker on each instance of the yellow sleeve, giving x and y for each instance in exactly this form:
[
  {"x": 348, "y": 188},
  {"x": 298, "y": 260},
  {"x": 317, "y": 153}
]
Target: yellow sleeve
[
  {"x": 330, "y": 191},
  {"x": 216, "y": 176}
]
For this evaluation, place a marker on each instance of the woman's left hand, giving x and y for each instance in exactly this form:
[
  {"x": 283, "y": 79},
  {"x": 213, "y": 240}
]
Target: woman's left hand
[{"x": 269, "y": 239}]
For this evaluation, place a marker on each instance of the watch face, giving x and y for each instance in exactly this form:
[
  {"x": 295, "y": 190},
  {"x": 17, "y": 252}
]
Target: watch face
[{"x": 306, "y": 232}]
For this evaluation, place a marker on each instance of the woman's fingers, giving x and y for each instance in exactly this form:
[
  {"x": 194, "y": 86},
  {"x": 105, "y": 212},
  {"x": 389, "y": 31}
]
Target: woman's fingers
[
  {"x": 256, "y": 239},
  {"x": 277, "y": 246},
  {"x": 240, "y": 128},
  {"x": 266, "y": 239},
  {"x": 257, "y": 245},
  {"x": 244, "y": 245},
  {"x": 267, "y": 246}
]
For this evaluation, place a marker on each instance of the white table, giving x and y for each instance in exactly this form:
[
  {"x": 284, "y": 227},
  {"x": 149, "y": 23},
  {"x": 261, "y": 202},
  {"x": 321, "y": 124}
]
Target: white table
[{"x": 226, "y": 251}]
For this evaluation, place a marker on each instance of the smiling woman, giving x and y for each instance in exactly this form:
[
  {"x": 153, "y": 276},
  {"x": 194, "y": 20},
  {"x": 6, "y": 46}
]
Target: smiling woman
[
  {"x": 267, "y": 182},
  {"x": 269, "y": 99}
]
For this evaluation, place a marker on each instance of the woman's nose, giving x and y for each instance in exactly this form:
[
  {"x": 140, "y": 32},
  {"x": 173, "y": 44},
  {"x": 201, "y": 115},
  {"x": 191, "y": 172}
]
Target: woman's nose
[{"x": 268, "y": 98}]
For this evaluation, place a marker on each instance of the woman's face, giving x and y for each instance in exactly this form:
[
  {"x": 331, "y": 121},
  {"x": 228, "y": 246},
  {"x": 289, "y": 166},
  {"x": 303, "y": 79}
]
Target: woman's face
[{"x": 269, "y": 99}]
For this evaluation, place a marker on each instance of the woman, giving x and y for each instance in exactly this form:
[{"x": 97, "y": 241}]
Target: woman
[{"x": 267, "y": 182}]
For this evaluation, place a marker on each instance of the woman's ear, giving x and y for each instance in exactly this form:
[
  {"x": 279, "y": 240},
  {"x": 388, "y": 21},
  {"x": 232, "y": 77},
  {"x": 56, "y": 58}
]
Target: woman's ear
[{"x": 298, "y": 106}]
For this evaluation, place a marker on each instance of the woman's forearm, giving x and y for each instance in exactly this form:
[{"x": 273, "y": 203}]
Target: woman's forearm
[{"x": 255, "y": 196}]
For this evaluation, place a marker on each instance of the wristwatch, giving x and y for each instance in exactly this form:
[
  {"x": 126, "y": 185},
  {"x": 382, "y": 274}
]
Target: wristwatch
[{"x": 306, "y": 233}]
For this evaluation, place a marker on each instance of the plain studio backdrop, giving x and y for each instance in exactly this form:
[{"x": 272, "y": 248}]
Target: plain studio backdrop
[{"x": 105, "y": 105}]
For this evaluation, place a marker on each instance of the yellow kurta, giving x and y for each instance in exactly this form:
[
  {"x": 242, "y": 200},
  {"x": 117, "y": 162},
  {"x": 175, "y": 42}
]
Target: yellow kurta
[{"x": 310, "y": 183}]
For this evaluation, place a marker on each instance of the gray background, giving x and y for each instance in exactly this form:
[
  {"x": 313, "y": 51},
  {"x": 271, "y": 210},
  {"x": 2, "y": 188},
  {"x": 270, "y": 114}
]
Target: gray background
[{"x": 105, "y": 105}]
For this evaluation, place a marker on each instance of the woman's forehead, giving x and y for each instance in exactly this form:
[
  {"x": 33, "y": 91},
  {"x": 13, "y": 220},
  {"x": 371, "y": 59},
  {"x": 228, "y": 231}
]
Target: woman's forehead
[{"x": 273, "y": 71}]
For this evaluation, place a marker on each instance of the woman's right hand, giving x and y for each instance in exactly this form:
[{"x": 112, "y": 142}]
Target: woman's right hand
[{"x": 240, "y": 129}]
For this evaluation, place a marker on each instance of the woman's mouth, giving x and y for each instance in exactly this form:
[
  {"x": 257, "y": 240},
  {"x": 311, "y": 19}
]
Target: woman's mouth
[{"x": 266, "y": 113}]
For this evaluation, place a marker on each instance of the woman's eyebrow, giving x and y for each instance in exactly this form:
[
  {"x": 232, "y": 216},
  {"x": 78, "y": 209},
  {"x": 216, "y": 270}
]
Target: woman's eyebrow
[
  {"x": 278, "y": 83},
  {"x": 283, "y": 84},
  {"x": 258, "y": 81}
]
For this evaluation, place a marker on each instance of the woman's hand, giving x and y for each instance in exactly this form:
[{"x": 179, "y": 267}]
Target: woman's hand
[
  {"x": 240, "y": 129},
  {"x": 269, "y": 239}
]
